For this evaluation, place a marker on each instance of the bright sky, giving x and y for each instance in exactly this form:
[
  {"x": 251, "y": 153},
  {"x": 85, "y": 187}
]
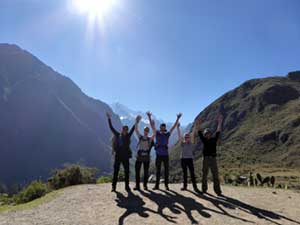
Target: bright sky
[{"x": 167, "y": 56}]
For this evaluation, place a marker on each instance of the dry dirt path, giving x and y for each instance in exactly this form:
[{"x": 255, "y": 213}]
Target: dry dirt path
[{"x": 96, "y": 205}]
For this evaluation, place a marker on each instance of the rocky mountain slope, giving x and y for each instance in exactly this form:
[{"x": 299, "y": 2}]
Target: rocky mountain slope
[
  {"x": 46, "y": 120},
  {"x": 261, "y": 124}
]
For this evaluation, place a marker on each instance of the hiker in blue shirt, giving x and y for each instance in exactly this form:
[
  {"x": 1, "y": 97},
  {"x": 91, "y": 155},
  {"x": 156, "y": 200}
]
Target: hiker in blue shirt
[{"x": 162, "y": 149}]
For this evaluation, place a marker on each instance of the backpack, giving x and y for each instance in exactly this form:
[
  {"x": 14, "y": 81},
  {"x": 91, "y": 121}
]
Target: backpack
[
  {"x": 115, "y": 145},
  {"x": 151, "y": 144}
]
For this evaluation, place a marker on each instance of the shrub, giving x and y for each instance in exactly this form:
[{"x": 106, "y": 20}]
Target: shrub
[
  {"x": 33, "y": 191},
  {"x": 5, "y": 199},
  {"x": 104, "y": 179},
  {"x": 72, "y": 175}
]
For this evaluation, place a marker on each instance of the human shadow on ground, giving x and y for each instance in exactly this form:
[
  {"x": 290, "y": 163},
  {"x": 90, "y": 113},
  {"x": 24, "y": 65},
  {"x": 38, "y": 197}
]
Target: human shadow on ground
[
  {"x": 134, "y": 204},
  {"x": 178, "y": 203},
  {"x": 233, "y": 203}
]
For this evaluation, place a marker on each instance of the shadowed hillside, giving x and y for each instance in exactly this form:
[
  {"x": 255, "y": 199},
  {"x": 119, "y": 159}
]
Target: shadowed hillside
[{"x": 46, "y": 120}]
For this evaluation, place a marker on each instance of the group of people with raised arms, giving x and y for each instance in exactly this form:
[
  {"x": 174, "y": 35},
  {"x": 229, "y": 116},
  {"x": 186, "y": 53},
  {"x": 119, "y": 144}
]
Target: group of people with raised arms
[{"x": 160, "y": 141}]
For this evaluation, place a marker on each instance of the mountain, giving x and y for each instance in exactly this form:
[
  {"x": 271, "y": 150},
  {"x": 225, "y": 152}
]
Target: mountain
[
  {"x": 128, "y": 116},
  {"x": 261, "y": 125},
  {"x": 46, "y": 120}
]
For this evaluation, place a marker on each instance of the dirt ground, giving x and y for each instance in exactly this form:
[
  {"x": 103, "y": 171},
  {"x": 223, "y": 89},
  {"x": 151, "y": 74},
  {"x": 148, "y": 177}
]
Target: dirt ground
[{"x": 96, "y": 205}]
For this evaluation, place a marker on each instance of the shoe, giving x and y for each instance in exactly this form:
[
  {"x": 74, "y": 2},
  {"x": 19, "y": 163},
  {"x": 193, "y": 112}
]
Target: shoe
[
  {"x": 196, "y": 190},
  {"x": 128, "y": 189},
  {"x": 167, "y": 188},
  {"x": 113, "y": 189},
  {"x": 145, "y": 188},
  {"x": 183, "y": 189},
  {"x": 136, "y": 189},
  {"x": 220, "y": 194},
  {"x": 156, "y": 188}
]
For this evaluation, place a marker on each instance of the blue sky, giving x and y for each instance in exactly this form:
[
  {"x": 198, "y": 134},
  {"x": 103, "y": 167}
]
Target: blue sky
[{"x": 168, "y": 56}]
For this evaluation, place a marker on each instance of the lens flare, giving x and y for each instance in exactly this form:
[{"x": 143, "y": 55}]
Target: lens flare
[{"x": 94, "y": 8}]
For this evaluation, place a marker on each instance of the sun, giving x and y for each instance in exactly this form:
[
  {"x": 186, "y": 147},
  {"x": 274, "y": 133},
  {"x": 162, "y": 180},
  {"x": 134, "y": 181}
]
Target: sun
[{"x": 94, "y": 8}]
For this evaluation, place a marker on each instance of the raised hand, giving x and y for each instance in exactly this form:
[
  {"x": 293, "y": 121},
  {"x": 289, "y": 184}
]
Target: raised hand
[
  {"x": 179, "y": 115},
  {"x": 108, "y": 115},
  {"x": 138, "y": 118},
  {"x": 149, "y": 114}
]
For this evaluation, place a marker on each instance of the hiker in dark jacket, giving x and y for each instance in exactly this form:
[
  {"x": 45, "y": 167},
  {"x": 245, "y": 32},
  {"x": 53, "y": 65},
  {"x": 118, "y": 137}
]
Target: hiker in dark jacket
[
  {"x": 209, "y": 155},
  {"x": 144, "y": 147},
  {"x": 122, "y": 151},
  {"x": 161, "y": 146},
  {"x": 188, "y": 147}
]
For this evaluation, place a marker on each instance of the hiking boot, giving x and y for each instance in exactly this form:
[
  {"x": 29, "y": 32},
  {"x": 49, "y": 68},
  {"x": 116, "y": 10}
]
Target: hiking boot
[
  {"x": 145, "y": 188},
  {"x": 167, "y": 188},
  {"x": 128, "y": 189},
  {"x": 156, "y": 188},
  {"x": 219, "y": 194},
  {"x": 136, "y": 189},
  {"x": 113, "y": 189},
  {"x": 196, "y": 190},
  {"x": 183, "y": 189}
]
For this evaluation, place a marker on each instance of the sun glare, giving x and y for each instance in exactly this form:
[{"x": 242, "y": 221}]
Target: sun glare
[{"x": 94, "y": 8}]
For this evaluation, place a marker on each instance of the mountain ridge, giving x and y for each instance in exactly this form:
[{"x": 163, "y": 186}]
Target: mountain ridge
[
  {"x": 47, "y": 120},
  {"x": 260, "y": 128}
]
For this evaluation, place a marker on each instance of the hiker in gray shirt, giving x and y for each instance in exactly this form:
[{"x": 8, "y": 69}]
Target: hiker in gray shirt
[
  {"x": 143, "y": 154},
  {"x": 188, "y": 148}
]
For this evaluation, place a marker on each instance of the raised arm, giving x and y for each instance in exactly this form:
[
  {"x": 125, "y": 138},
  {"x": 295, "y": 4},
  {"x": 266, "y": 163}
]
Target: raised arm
[
  {"x": 193, "y": 134},
  {"x": 176, "y": 122},
  {"x": 198, "y": 123},
  {"x": 220, "y": 122},
  {"x": 115, "y": 132},
  {"x": 138, "y": 119},
  {"x": 153, "y": 131},
  {"x": 152, "y": 124},
  {"x": 132, "y": 130},
  {"x": 179, "y": 134}
]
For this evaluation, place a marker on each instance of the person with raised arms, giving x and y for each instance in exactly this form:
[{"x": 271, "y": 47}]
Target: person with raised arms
[
  {"x": 162, "y": 149},
  {"x": 121, "y": 147},
  {"x": 187, "y": 148},
  {"x": 144, "y": 147},
  {"x": 209, "y": 155}
]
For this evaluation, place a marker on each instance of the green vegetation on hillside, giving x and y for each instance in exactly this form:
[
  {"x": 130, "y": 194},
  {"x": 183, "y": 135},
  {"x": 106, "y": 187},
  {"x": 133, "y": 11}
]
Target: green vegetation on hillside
[{"x": 260, "y": 130}]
